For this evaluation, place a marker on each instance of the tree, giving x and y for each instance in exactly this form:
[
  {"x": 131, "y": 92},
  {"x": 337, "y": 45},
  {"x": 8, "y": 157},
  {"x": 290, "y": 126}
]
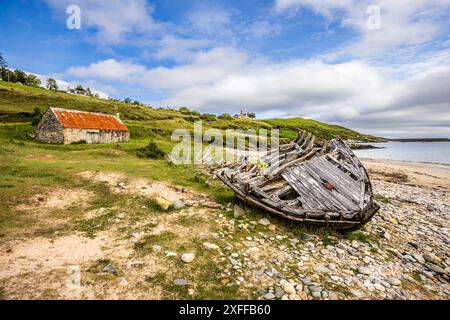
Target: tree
[
  {"x": 32, "y": 81},
  {"x": 89, "y": 92},
  {"x": 3, "y": 63},
  {"x": 51, "y": 84},
  {"x": 4, "y": 71},
  {"x": 79, "y": 88},
  {"x": 9, "y": 75},
  {"x": 251, "y": 115},
  {"x": 5, "y": 74},
  {"x": 127, "y": 100},
  {"x": 36, "y": 116},
  {"x": 20, "y": 76}
]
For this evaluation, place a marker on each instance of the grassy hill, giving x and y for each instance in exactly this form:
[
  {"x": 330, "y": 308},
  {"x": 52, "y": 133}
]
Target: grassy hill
[{"x": 17, "y": 103}]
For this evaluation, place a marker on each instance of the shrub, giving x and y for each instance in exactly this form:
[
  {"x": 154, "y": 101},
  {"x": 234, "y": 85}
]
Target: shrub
[
  {"x": 208, "y": 117},
  {"x": 151, "y": 151},
  {"x": 79, "y": 142},
  {"x": 36, "y": 116},
  {"x": 225, "y": 116},
  {"x": 184, "y": 110}
]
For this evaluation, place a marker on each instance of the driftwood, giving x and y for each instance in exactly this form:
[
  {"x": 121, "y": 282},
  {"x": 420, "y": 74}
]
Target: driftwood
[{"x": 309, "y": 181}]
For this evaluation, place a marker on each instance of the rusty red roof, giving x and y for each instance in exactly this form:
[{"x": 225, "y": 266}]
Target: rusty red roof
[{"x": 88, "y": 120}]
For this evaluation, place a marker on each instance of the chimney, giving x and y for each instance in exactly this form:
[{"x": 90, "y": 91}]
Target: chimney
[{"x": 118, "y": 117}]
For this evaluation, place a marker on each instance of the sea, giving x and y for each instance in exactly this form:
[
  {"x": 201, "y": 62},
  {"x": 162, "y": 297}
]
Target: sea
[{"x": 426, "y": 152}]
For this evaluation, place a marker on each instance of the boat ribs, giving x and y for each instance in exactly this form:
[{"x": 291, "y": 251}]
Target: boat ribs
[{"x": 309, "y": 181}]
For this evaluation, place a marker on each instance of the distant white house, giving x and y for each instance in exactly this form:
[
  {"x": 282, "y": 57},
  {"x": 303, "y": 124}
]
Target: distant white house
[
  {"x": 242, "y": 115},
  {"x": 75, "y": 91}
]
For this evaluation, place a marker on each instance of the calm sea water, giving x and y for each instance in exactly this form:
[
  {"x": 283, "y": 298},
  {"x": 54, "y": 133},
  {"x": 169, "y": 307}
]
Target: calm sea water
[{"x": 430, "y": 152}]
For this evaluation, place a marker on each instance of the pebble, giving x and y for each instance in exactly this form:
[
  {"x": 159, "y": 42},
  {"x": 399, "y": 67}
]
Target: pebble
[
  {"x": 334, "y": 278},
  {"x": 210, "y": 246},
  {"x": 264, "y": 222},
  {"x": 419, "y": 258},
  {"x": 364, "y": 270},
  {"x": 279, "y": 292},
  {"x": 357, "y": 293},
  {"x": 178, "y": 204},
  {"x": 269, "y": 296},
  {"x": 379, "y": 287},
  {"x": 164, "y": 204},
  {"x": 110, "y": 268},
  {"x": 294, "y": 296},
  {"x": 333, "y": 295},
  {"x": 181, "y": 282},
  {"x": 394, "y": 281},
  {"x": 187, "y": 257},
  {"x": 355, "y": 244},
  {"x": 315, "y": 288},
  {"x": 436, "y": 269},
  {"x": 288, "y": 288},
  {"x": 431, "y": 257},
  {"x": 238, "y": 212}
]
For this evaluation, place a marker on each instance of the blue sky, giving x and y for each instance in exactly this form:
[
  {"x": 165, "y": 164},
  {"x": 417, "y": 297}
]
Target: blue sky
[{"x": 328, "y": 60}]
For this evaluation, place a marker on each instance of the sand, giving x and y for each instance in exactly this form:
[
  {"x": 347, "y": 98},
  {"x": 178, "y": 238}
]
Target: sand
[{"x": 433, "y": 176}]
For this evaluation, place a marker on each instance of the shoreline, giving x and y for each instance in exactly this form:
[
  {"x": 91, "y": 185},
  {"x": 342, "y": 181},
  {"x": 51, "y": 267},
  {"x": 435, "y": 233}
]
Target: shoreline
[{"x": 427, "y": 175}]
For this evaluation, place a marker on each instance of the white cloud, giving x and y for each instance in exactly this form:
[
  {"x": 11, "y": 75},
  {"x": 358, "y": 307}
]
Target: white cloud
[
  {"x": 115, "y": 21},
  {"x": 354, "y": 93},
  {"x": 179, "y": 49},
  {"x": 403, "y": 22},
  {"x": 108, "y": 70},
  {"x": 262, "y": 29},
  {"x": 206, "y": 67},
  {"x": 210, "y": 20}
]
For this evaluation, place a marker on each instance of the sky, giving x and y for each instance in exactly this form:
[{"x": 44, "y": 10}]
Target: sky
[{"x": 378, "y": 67}]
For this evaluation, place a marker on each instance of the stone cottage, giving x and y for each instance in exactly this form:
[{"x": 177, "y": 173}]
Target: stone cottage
[{"x": 69, "y": 126}]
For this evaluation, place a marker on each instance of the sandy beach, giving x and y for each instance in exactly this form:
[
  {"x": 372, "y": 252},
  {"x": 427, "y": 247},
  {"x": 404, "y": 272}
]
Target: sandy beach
[{"x": 428, "y": 175}]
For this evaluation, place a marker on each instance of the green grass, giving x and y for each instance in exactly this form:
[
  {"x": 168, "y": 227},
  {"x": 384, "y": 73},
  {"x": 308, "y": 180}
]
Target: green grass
[
  {"x": 382, "y": 199},
  {"x": 91, "y": 226},
  {"x": 146, "y": 243},
  {"x": 360, "y": 236}
]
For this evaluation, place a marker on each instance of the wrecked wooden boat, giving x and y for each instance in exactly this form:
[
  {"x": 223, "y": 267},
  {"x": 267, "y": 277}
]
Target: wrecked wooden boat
[{"x": 310, "y": 181}]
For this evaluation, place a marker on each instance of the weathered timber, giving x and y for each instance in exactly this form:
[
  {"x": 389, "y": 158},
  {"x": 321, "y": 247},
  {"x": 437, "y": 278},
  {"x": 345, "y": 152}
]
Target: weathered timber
[{"x": 309, "y": 181}]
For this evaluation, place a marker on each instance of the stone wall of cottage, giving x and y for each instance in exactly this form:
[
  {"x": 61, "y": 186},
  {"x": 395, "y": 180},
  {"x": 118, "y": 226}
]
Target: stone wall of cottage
[
  {"x": 49, "y": 129},
  {"x": 93, "y": 136}
]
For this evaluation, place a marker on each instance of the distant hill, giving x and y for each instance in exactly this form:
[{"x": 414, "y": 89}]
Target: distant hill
[
  {"x": 17, "y": 103},
  {"x": 419, "y": 140}
]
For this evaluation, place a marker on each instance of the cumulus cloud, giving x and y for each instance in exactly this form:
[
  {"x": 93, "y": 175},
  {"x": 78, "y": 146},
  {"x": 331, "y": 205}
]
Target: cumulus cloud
[
  {"x": 206, "y": 68},
  {"x": 180, "y": 49},
  {"x": 210, "y": 20},
  {"x": 353, "y": 93},
  {"x": 403, "y": 22},
  {"x": 114, "y": 21}
]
